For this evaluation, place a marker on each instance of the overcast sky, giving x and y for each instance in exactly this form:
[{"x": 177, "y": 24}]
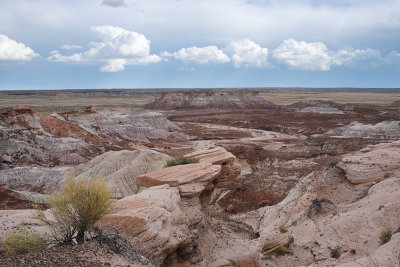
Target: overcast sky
[{"x": 46, "y": 44}]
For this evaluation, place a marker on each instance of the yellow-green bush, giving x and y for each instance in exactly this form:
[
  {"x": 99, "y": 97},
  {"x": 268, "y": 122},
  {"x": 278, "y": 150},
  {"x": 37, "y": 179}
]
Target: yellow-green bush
[
  {"x": 386, "y": 235},
  {"x": 282, "y": 250},
  {"x": 181, "y": 161},
  {"x": 282, "y": 229},
  {"x": 76, "y": 207},
  {"x": 24, "y": 242}
]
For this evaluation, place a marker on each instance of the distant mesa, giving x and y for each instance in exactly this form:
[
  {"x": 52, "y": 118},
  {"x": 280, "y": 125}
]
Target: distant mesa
[
  {"x": 395, "y": 103},
  {"x": 317, "y": 106},
  {"x": 181, "y": 100}
]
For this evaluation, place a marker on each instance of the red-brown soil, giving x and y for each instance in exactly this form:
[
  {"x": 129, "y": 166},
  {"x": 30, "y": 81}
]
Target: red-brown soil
[
  {"x": 11, "y": 200},
  {"x": 246, "y": 195},
  {"x": 59, "y": 128},
  {"x": 283, "y": 120},
  {"x": 90, "y": 254}
]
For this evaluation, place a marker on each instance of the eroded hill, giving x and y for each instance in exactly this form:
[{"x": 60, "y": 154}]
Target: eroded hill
[{"x": 313, "y": 183}]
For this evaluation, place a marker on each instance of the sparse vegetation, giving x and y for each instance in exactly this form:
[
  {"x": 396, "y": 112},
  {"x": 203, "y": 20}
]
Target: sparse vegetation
[
  {"x": 332, "y": 164},
  {"x": 353, "y": 251},
  {"x": 387, "y": 175},
  {"x": 282, "y": 250},
  {"x": 76, "y": 207},
  {"x": 181, "y": 161},
  {"x": 385, "y": 235},
  {"x": 316, "y": 205},
  {"x": 25, "y": 241},
  {"x": 335, "y": 253},
  {"x": 282, "y": 229}
]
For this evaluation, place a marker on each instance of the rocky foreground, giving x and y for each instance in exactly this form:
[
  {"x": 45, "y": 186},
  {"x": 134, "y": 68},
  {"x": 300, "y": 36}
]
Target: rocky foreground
[{"x": 311, "y": 184}]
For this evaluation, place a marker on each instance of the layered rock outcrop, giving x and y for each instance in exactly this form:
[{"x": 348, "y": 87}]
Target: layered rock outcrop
[
  {"x": 375, "y": 162},
  {"x": 385, "y": 130},
  {"x": 203, "y": 99},
  {"x": 73, "y": 138},
  {"x": 121, "y": 168},
  {"x": 33, "y": 179},
  {"x": 152, "y": 221},
  {"x": 138, "y": 125},
  {"x": 190, "y": 179},
  {"x": 230, "y": 167},
  {"x": 215, "y": 164}
]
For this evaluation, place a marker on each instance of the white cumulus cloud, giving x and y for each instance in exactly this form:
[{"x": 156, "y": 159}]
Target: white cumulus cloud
[
  {"x": 199, "y": 55},
  {"x": 70, "y": 47},
  {"x": 393, "y": 58},
  {"x": 11, "y": 50},
  {"x": 247, "y": 53},
  {"x": 316, "y": 56},
  {"x": 362, "y": 58},
  {"x": 302, "y": 55},
  {"x": 118, "y": 48},
  {"x": 113, "y": 3}
]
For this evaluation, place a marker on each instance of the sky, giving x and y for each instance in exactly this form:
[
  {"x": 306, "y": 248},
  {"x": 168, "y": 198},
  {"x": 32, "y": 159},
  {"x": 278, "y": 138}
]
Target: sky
[{"x": 76, "y": 44}]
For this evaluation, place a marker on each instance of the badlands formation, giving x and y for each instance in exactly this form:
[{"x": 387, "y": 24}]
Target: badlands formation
[{"x": 310, "y": 184}]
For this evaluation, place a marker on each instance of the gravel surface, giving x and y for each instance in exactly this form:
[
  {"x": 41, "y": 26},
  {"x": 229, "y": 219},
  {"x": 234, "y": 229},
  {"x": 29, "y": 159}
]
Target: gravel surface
[{"x": 89, "y": 254}]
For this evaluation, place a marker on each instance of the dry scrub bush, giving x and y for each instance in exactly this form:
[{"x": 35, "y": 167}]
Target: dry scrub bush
[
  {"x": 181, "y": 161},
  {"x": 282, "y": 229},
  {"x": 23, "y": 242},
  {"x": 282, "y": 250},
  {"x": 385, "y": 235},
  {"x": 76, "y": 207}
]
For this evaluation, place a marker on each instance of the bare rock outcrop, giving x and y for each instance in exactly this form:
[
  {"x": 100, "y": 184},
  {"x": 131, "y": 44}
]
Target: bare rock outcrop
[
  {"x": 190, "y": 179},
  {"x": 375, "y": 162},
  {"x": 385, "y": 130},
  {"x": 121, "y": 168},
  {"x": 277, "y": 241},
  {"x": 208, "y": 100},
  {"x": 12, "y": 200},
  {"x": 230, "y": 167},
  {"x": 152, "y": 221}
]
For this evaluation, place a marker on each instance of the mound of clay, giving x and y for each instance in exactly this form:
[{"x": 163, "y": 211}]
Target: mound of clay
[
  {"x": 190, "y": 179},
  {"x": 372, "y": 163},
  {"x": 151, "y": 220},
  {"x": 386, "y": 130},
  {"x": 138, "y": 125},
  {"x": 12, "y": 200},
  {"x": 76, "y": 137},
  {"x": 208, "y": 100},
  {"x": 33, "y": 179},
  {"x": 121, "y": 168}
]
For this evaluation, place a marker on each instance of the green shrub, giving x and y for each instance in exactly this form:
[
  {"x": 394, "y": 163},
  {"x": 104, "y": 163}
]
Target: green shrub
[
  {"x": 24, "y": 242},
  {"x": 353, "y": 251},
  {"x": 335, "y": 253},
  {"x": 76, "y": 207},
  {"x": 332, "y": 164},
  {"x": 282, "y": 229},
  {"x": 282, "y": 250},
  {"x": 385, "y": 235},
  {"x": 181, "y": 161}
]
